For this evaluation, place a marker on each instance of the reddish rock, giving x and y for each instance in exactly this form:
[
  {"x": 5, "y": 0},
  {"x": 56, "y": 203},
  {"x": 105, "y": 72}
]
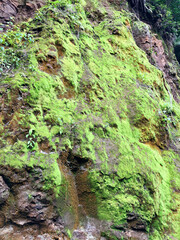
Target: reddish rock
[
  {"x": 18, "y": 9},
  {"x": 26, "y": 210},
  {"x": 157, "y": 56}
]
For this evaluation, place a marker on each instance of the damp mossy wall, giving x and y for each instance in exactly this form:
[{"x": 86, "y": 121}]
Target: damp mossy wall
[{"x": 88, "y": 88}]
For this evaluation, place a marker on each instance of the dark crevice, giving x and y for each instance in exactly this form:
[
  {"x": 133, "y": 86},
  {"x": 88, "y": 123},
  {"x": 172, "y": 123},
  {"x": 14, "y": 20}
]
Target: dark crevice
[
  {"x": 75, "y": 163},
  {"x": 7, "y": 181}
]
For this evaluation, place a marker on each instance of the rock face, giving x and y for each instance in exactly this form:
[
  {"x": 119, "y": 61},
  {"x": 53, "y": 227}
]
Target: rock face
[
  {"x": 25, "y": 206},
  {"x": 89, "y": 125},
  {"x": 7, "y": 9},
  {"x": 4, "y": 191},
  {"x": 155, "y": 51},
  {"x": 18, "y": 9}
]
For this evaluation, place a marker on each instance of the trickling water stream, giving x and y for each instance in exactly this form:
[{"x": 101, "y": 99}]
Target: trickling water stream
[{"x": 82, "y": 211}]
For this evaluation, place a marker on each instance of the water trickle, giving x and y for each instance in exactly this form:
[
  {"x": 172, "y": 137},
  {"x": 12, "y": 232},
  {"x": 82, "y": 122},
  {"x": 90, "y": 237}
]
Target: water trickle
[{"x": 80, "y": 196}]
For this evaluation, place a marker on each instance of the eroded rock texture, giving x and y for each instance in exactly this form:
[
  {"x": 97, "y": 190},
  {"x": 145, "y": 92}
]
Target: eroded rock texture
[
  {"x": 156, "y": 54},
  {"x": 4, "y": 191},
  {"x": 27, "y": 211},
  {"x": 11, "y": 10}
]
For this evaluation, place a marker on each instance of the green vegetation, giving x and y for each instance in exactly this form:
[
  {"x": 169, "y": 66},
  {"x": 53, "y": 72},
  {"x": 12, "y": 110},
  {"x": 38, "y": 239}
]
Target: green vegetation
[
  {"x": 87, "y": 87},
  {"x": 31, "y": 136},
  {"x": 169, "y": 15},
  {"x": 12, "y": 45}
]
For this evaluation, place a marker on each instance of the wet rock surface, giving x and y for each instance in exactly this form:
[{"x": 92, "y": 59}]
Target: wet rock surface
[
  {"x": 26, "y": 210},
  {"x": 32, "y": 232}
]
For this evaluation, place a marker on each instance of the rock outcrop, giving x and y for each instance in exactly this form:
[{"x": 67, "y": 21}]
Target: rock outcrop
[
  {"x": 89, "y": 124},
  {"x": 4, "y": 191},
  {"x": 17, "y": 10},
  {"x": 157, "y": 55},
  {"x": 27, "y": 211}
]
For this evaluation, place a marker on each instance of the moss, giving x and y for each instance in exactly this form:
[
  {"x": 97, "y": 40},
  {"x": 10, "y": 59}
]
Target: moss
[
  {"x": 113, "y": 118},
  {"x": 71, "y": 71},
  {"x": 18, "y": 156}
]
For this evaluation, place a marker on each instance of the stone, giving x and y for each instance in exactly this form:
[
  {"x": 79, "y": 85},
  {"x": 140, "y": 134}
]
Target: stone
[
  {"x": 4, "y": 191},
  {"x": 44, "y": 237},
  {"x": 2, "y": 220},
  {"x": 34, "y": 204},
  {"x": 7, "y": 9},
  {"x": 18, "y": 9},
  {"x": 79, "y": 234}
]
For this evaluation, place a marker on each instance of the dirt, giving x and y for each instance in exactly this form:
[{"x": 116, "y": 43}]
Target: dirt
[{"x": 49, "y": 65}]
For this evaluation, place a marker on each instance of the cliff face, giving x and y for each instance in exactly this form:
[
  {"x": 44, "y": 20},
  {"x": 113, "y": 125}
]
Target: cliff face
[{"x": 89, "y": 125}]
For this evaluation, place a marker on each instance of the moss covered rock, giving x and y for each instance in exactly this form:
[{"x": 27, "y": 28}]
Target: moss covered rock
[{"x": 86, "y": 106}]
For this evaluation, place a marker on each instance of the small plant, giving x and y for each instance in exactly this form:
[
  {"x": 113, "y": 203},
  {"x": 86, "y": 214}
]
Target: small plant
[
  {"x": 31, "y": 136},
  {"x": 16, "y": 38},
  {"x": 30, "y": 197},
  {"x": 166, "y": 115},
  {"x": 12, "y": 45},
  {"x": 60, "y": 123}
]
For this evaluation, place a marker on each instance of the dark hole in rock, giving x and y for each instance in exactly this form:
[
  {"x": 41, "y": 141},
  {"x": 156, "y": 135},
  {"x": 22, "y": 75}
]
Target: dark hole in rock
[
  {"x": 135, "y": 222},
  {"x": 6, "y": 121},
  {"x": 37, "y": 30},
  {"x": 72, "y": 41},
  {"x": 75, "y": 163},
  {"x": 7, "y": 181},
  {"x": 20, "y": 93},
  {"x": 119, "y": 227},
  {"x": 131, "y": 216},
  {"x": 37, "y": 112}
]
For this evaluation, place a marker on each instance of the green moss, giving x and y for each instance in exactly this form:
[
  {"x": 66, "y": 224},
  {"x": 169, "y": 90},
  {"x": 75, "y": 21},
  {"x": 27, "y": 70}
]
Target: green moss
[
  {"x": 105, "y": 102},
  {"x": 18, "y": 156},
  {"x": 71, "y": 71}
]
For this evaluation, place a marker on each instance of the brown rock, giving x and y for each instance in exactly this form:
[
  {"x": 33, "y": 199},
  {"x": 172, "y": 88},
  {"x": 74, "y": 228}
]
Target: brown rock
[
  {"x": 157, "y": 56},
  {"x": 14, "y": 175},
  {"x": 7, "y": 9},
  {"x": 4, "y": 191},
  {"x": 18, "y": 9},
  {"x": 2, "y": 220},
  {"x": 34, "y": 205}
]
